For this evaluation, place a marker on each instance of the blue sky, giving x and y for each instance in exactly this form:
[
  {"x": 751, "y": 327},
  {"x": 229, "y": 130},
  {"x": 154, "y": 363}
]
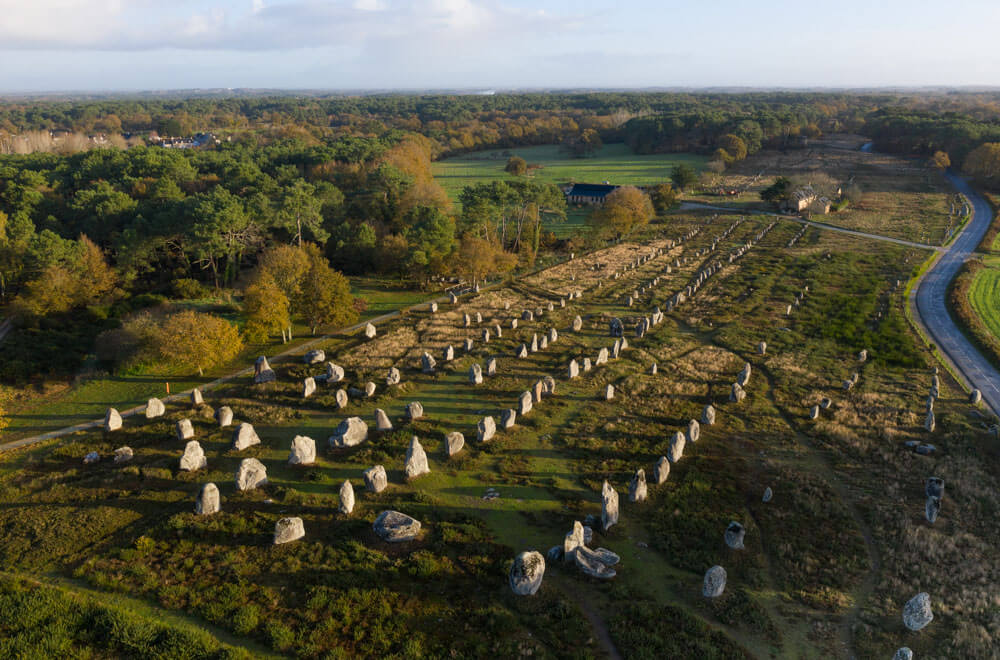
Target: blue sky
[{"x": 482, "y": 44}]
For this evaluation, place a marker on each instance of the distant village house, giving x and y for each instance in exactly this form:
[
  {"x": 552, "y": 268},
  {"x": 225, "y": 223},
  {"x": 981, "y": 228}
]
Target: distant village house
[{"x": 589, "y": 193}]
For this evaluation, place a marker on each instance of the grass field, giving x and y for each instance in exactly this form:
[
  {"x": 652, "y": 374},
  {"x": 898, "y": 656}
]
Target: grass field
[{"x": 984, "y": 295}]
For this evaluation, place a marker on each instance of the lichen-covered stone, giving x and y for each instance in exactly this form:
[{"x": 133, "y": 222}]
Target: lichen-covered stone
[
  {"x": 486, "y": 429},
  {"x": 314, "y": 356},
  {"x": 193, "y": 458},
  {"x": 715, "y": 582},
  {"x": 708, "y": 415},
  {"x": 112, "y": 420},
  {"x": 376, "y": 479},
  {"x": 207, "y": 501},
  {"x": 637, "y": 486},
  {"x": 396, "y": 527},
  {"x": 287, "y": 530},
  {"x": 250, "y": 474},
  {"x": 224, "y": 416},
  {"x": 382, "y": 423},
  {"x": 262, "y": 371},
  {"x": 609, "y": 506},
  {"x": 661, "y": 471},
  {"x": 526, "y": 573},
  {"x": 124, "y": 455},
  {"x": 416, "y": 459},
  {"x": 346, "y": 505},
  {"x": 454, "y": 442},
  {"x": 350, "y": 433},
  {"x": 184, "y": 429},
  {"x": 508, "y": 418},
  {"x": 245, "y": 436},
  {"x": 524, "y": 404},
  {"x": 734, "y": 535},
  {"x": 155, "y": 408},
  {"x": 676, "y": 451},
  {"x": 694, "y": 431},
  {"x": 414, "y": 410},
  {"x": 303, "y": 451},
  {"x": 917, "y": 611}
]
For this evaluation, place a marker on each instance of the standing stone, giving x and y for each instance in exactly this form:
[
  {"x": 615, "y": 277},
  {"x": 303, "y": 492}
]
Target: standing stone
[
  {"x": 196, "y": 398},
  {"x": 155, "y": 408},
  {"x": 427, "y": 363},
  {"x": 207, "y": 501},
  {"x": 903, "y": 653},
  {"x": 934, "y": 487},
  {"x": 543, "y": 343},
  {"x": 244, "y": 436},
  {"x": 416, "y": 460},
  {"x": 524, "y": 404},
  {"x": 553, "y": 335},
  {"x": 112, "y": 420},
  {"x": 308, "y": 387},
  {"x": 394, "y": 377},
  {"x": 370, "y": 331},
  {"x": 917, "y": 611},
  {"x": 574, "y": 369},
  {"x": 762, "y": 348},
  {"x": 452, "y": 298},
  {"x": 929, "y": 422},
  {"x": 193, "y": 458},
  {"x": 715, "y": 582},
  {"x": 341, "y": 398},
  {"x": 637, "y": 487},
  {"x": 486, "y": 336},
  {"x": 224, "y": 416},
  {"x": 537, "y": 390},
  {"x": 814, "y": 412},
  {"x": 507, "y": 418},
  {"x": 602, "y": 357},
  {"x": 825, "y": 403},
  {"x": 124, "y": 455},
  {"x": 534, "y": 344},
  {"x": 468, "y": 345},
  {"x": 491, "y": 367},
  {"x": 382, "y": 422},
  {"x": 433, "y": 307},
  {"x": 549, "y": 385},
  {"x": 574, "y": 539},
  {"x": 652, "y": 369},
  {"x": 694, "y": 431},
  {"x": 734, "y": 535},
  {"x": 577, "y": 324},
  {"x": 396, "y": 527},
  {"x": 346, "y": 498},
  {"x": 185, "y": 431},
  {"x": 303, "y": 451},
  {"x": 661, "y": 471},
  {"x": 609, "y": 506},
  {"x": 262, "y": 371},
  {"x": 466, "y": 321},
  {"x": 862, "y": 355},
  {"x": 744, "y": 376},
  {"x": 454, "y": 442},
  {"x": 522, "y": 352},
  {"x": 586, "y": 364},
  {"x": 609, "y": 392},
  {"x": 513, "y": 324},
  {"x": 334, "y": 373},
  {"x": 486, "y": 429},
  {"x": 479, "y": 318},
  {"x": 92, "y": 457},
  {"x": 768, "y": 494},
  {"x": 314, "y": 356},
  {"x": 250, "y": 474},
  {"x": 369, "y": 389},
  {"x": 737, "y": 393},
  {"x": 287, "y": 530},
  {"x": 526, "y": 573},
  {"x": 448, "y": 354},
  {"x": 932, "y": 508},
  {"x": 414, "y": 410},
  {"x": 375, "y": 479},
  {"x": 975, "y": 397},
  {"x": 497, "y": 331},
  {"x": 475, "y": 375},
  {"x": 350, "y": 433},
  {"x": 676, "y": 451},
  {"x": 708, "y": 415}
]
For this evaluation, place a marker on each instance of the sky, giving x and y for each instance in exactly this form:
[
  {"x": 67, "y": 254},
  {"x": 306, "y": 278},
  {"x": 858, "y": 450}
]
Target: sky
[{"x": 120, "y": 45}]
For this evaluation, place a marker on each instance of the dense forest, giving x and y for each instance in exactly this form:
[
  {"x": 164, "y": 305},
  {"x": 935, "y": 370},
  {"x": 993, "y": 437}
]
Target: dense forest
[{"x": 97, "y": 222}]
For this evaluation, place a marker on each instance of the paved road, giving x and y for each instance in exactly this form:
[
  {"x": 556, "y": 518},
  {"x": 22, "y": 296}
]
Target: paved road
[{"x": 928, "y": 300}]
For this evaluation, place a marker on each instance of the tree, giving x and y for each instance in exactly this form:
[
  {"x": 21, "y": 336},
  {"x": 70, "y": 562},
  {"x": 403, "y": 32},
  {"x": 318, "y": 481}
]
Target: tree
[
  {"x": 625, "y": 209},
  {"x": 983, "y": 162},
  {"x": 940, "y": 160},
  {"x": 663, "y": 196},
  {"x": 683, "y": 176},
  {"x": 516, "y": 166},
  {"x": 778, "y": 191},
  {"x": 95, "y": 278},
  {"x": 583, "y": 145},
  {"x": 431, "y": 237},
  {"x": 220, "y": 231},
  {"x": 326, "y": 294},
  {"x": 733, "y": 146},
  {"x": 478, "y": 258},
  {"x": 287, "y": 266},
  {"x": 196, "y": 340},
  {"x": 300, "y": 210},
  {"x": 266, "y": 309}
]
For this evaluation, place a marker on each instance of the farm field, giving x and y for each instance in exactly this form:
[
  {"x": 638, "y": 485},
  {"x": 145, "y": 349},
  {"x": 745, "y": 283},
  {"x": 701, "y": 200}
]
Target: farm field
[
  {"x": 827, "y": 563},
  {"x": 984, "y": 295}
]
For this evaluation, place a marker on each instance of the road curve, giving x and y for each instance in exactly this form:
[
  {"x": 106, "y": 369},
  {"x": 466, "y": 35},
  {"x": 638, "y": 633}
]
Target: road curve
[{"x": 929, "y": 302}]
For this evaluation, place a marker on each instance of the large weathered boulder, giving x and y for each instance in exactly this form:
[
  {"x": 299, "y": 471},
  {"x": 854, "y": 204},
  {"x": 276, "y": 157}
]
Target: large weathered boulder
[
  {"x": 737, "y": 393},
  {"x": 507, "y": 418},
  {"x": 155, "y": 408},
  {"x": 376, "y": 479},
  {"x": 454, "y": 442},
  {"x": 616, "y": 327},
  {"x": 394, "y": 377},
  {"x": 224, "y": 416},
  {"x": 303, "y": 451},
  {"x": 314, "y": 356},
  {"x": 694, "y": 431},
  {"x": 676, "y": 451},
  {"x": 475, "y": 375},
  {"x": 124, "y": 455},
  {"x": 193, "y": 458},
  {"x": 591, "y": 563},
  {"x": 708, "y": 415},
  {"x": 370, "y": 331},
  {"x": 526, "y": 573},
  {"x": 486, "y": 429},
  {"x": 414, "y": 410},
  {"x": 250, "y": 474},
  {"x": 207, "y": 501},
  {"x": 524, "y": 403},
  {"x": 609, "y": 506},
  {"x": 262, "y": 371},
  {"x": 734, "y": 535},
  {"x": 416, "y": 460},
  {"x": 396, "y": 527},
  {"x": 287, "y": 530},
  {"x": 112, "y": 420},
  {"x": 350, "y": 433},
  {"x": 334, "y": 373},
  {"x": 661, "y": 471},
  {"x": 245, "y": 436},
  {"x": 185, "y": 430},
  {"x": 382, "y": 422},
  {"x": 715, "y": 582},
  {"x": 346, "y": 498},
  {"x": 917, "y": 611},
  {"x": 637, "y": 486}
]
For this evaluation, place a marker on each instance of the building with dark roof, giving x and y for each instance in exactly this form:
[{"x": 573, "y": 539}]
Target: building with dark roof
[{"x": 589, "y": 193}]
